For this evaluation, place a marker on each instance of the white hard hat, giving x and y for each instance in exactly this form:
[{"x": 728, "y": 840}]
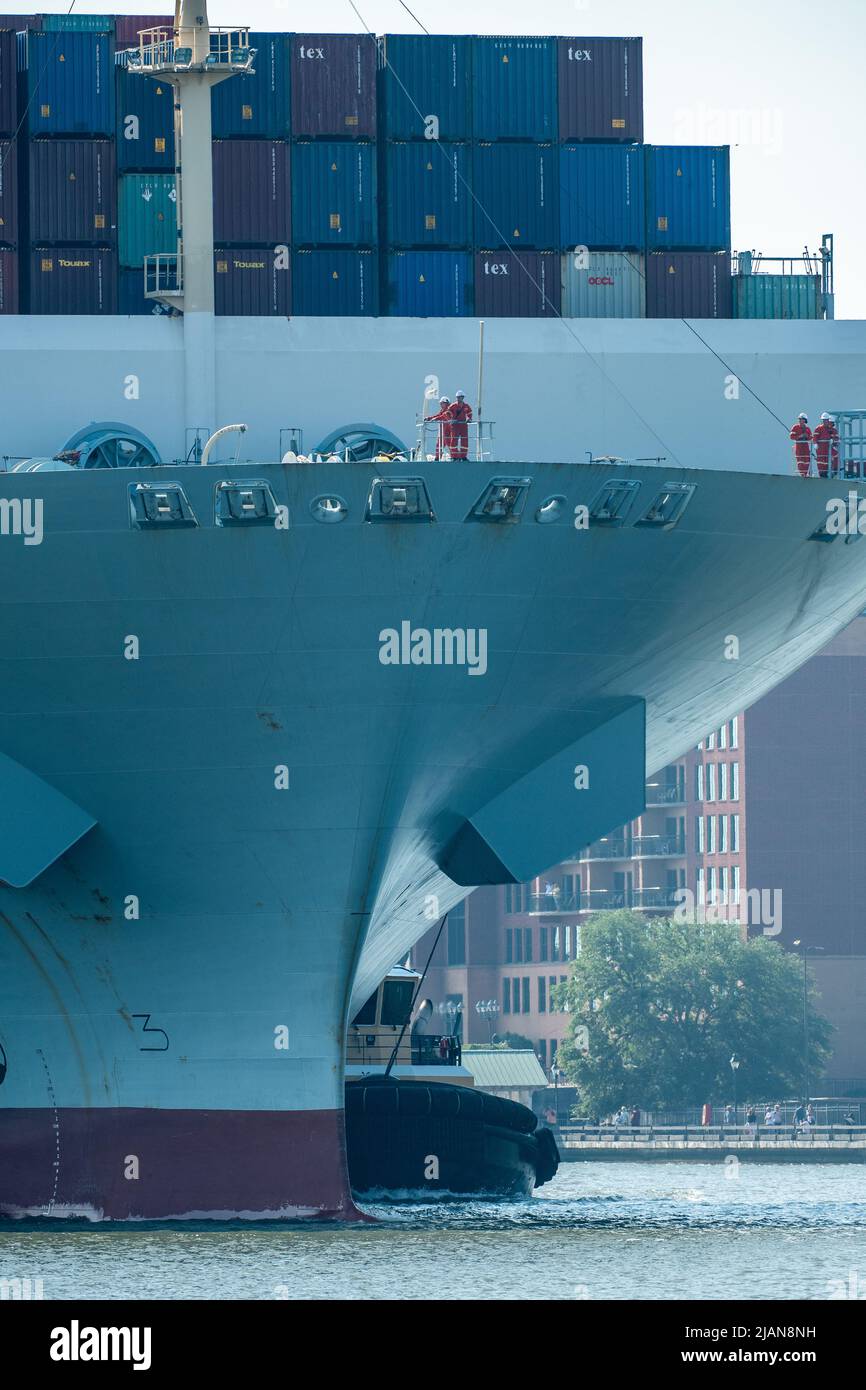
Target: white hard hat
[
  {"x": 443, "y": 398},
  {"x": 824, "y": 415},
  {"x": 460, "y": 393},
  {"x": 802, "y": 415},
  {"x": 832, "y": 419}
]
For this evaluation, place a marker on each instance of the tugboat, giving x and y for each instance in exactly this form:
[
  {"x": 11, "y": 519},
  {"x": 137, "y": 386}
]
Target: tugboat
[{"x": 415, "y": 1123}]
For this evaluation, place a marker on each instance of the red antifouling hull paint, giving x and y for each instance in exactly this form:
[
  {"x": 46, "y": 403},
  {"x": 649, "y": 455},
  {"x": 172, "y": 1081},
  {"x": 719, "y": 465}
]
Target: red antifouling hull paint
[{"x": 157, "y": 1165}]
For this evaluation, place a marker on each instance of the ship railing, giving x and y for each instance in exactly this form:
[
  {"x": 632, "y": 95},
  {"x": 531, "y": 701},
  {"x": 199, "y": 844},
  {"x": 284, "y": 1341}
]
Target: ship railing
[
  {"x": 163, "y": 275},
  {"x": 158, "y": 51},
  {"x": 451, "y": 440},
  {"x": 608, "y": 849},
  {"x": 713, "y": 1136},
  {"x": 667, "y": 795},
  {"x": 540, "y": 903}
]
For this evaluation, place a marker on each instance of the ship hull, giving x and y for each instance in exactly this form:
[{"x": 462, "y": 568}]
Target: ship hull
[{"x": 276, "y": 809}]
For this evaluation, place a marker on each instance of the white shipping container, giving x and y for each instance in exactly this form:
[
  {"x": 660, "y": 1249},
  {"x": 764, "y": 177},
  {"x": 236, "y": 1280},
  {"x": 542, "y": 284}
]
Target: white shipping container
[{"x": 603, "y": 285}]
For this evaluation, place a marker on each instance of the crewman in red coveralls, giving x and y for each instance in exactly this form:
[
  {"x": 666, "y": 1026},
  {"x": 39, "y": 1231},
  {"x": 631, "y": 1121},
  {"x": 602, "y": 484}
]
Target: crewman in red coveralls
[
  {"x": 443, "y": 434},
  {"x": 802, "y": 436},
  {"x": 461, "y": 414},
  {"x": 826, "y": 439}
]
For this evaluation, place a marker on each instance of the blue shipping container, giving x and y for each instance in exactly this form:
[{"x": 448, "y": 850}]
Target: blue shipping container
[
  {"x": 516, "y": 196},
  {"x": 145, "y": 122},
  {"x": 341, "y": 282},
  {"x": 130, "y": 296},
  {"x": 427, "y": 87},
  {"x": 429, "y": 199},
  {"x": 9, "y": 192},
  {"x": 258, "y": 104},
  {"x": 68, "y": 82},
  {"x": 146, "y": 217},
  {"x": 688, "y": 197},
  {"x": 514, "y": 89},
  {"x": 601, "y": 197},
  {"x": 334, "y": 193},
  {"x": 430, "y": 284},
  {"x": 8, "y": 82}
]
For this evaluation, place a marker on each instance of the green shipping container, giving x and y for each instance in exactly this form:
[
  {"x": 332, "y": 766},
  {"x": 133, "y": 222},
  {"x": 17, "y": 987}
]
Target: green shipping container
[
  {"x": 777, "y": 296},
  {"x": 146, "y": 216},
  {"x": 86, "y": 23}
]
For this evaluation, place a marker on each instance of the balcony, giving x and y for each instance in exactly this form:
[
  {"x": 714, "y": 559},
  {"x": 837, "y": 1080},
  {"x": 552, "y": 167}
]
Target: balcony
[
  {"x": 608, "y": 899},
  {"x": 655, "y": 899},
  {"x": 540, "y": 903},
  {"x": 666, "y": 795},
  {"x": 658, "y": 846},
  {"x": 608, "y": 849}
]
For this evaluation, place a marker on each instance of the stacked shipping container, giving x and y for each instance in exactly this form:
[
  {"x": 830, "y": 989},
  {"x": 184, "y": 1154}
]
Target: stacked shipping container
[
  {"x": 498, "y": 159},
  {"x": 9, "y": 301}
]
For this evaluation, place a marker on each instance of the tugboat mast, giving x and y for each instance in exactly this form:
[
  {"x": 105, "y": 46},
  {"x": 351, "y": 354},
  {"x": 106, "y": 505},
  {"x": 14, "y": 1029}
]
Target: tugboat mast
[{"x": 193, "y": 58}]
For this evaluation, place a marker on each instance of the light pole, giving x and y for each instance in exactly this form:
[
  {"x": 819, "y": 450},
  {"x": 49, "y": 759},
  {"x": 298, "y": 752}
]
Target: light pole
[
  {"x": 735, "y": 1067},
  {"x": 554, "y": 1076},
  {"x": 807, "y": 951},
  {"x": 489, "y": 1009}
]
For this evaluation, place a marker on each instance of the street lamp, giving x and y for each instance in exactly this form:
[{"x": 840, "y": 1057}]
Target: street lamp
[
  {"x": 807, "y": 951},
  {"x": 489, "y": 1009},
  {"x": 735, "y": 1067},
  {"x": 554, "y": 1076}
]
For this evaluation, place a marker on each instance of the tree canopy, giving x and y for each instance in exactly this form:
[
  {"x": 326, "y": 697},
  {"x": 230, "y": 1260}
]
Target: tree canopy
[{"x": 666, "y": 1005}]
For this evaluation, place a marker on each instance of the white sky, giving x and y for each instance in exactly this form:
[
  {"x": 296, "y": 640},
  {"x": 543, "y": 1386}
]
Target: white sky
[{"x": 782, "y": 81}]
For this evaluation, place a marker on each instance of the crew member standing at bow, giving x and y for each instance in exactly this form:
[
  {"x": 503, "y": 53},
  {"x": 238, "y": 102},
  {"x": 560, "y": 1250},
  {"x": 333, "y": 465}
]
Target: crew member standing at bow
[
  {"x": 443, "y": 434},
  {"x": 802, "y": 436},
  {"x": 461, "y": 414},
  {"x": 826, "y": 439}
]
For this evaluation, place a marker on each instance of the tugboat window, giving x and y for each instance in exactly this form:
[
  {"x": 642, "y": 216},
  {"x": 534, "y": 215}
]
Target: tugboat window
[
  {"x": 367, "y": 1014},
  {"x": 397, "y": 1001}
]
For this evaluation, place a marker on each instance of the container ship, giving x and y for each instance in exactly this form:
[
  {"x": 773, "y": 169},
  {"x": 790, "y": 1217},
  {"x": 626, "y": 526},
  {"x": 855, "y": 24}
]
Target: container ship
[{"x": 274, "y": 698}]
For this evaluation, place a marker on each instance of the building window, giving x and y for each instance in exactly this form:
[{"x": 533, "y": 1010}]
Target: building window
[
  {"x": 542, "y": 1052},
  {"x": 506, "y": 995},
  {"x": 735, "y": 834},
  {"x": 701, "y": 886},
  {"x": 734, "y": 732},
  {"x": 527, "y": 1002},
  {"x": 699, "y": 834},
  {"x": 509, "y": 945},
  {"x": 562, "y": 980},
  {"x": 723, "y": 834},
  {"x": 551, "y": 986},
  {"x": 518, "y": 946},
  {"x": 699, "y": 782},
  {"x": 515, "y": 994},
  {"x": 723, "y": 736},
  {"x": 723, "y": 781},
  {"x": 711, "y": 740},
  {"x": 542, "y": 995},
  {"x": 576, "y": 940},
  {"x": 723, "y": 883},
  {"x": 557, "y": 943},
  {"x": 711, "y": 834},
  {"x": 735, "y": 884},
  {"x": 542, "y": 943},
  {"x": 711, "y": 885},
  {"x": 552, "y": 1051},
  {"x": 735, "y": 781},
  {"x": 457, "y": 935},
  {"x": 514, "y": 898},
  {"x": 527, "y": 944},
  {"x": 711, "y": 782}
]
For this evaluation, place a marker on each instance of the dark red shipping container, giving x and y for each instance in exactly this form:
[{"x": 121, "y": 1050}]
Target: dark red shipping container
[
  {"x": 527, "y": 284},
  {"x": 73, "y": 191},
  {"x": 8, "y": 80},
  {"x": 601, "y": 89},
  {"x": 688, "y": 285},
  {"x": 333, "y": 81},
  {"x": 252, "y": 192},
  {"x": 8, "y": 282},
  {"x": 128, "y": 26},
  {"x": 73, "y": 280},
  {"x": 253, "y": 281},
  {"x": 8, "y": 192}
]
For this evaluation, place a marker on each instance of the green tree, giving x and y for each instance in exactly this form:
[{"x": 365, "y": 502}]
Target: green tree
[{"x": 667, "y": 1003}]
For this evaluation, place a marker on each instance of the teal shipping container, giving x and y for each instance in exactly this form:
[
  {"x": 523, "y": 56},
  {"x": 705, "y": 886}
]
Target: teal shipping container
[
  {"x": 426, "y": 85},
  {"x": 256, "y": 104},
  {"x": 514, "y": 88},
  {"x": 429, "y": 198},
  {"x": 431, "y": 284},
  {"x": 777, "y": 297},
  {"x": 516, "y": 196},
  {"x": 88, "y": 23},
  {"x": 146, "y": 217},
  {"x": 601, "y": 196},
  {"x": 334, "y": 193},
  {"x": 688, "y": 197}
]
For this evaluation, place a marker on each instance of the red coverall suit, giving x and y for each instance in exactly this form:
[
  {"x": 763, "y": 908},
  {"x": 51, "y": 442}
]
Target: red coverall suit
[
  {"x": 826, "y": 439},
  {"x": 443, "y": 434},
  {"x": 802, "y": 436},
  {"x": 461, "y": 414}
]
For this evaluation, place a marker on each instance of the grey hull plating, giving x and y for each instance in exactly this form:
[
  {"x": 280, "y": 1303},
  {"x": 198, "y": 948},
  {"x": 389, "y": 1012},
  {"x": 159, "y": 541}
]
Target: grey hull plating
[{"x": 197, "y": 953}]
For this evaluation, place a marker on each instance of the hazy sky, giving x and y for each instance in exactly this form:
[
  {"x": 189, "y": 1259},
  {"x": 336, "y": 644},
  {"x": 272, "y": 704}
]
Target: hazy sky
[{"x": 781, "y": 81}]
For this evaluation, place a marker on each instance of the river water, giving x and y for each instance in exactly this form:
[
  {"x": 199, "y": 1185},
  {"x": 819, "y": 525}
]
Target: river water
[{"x": 598, "y": 1231}]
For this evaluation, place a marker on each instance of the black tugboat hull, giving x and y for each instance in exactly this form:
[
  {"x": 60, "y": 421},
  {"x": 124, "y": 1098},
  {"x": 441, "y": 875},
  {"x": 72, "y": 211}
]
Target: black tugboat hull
[{"x": 411, "y": 1139}]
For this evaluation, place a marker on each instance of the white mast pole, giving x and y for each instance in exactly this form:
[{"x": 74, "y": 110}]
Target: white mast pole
[{"x": 478, "y": 443}]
